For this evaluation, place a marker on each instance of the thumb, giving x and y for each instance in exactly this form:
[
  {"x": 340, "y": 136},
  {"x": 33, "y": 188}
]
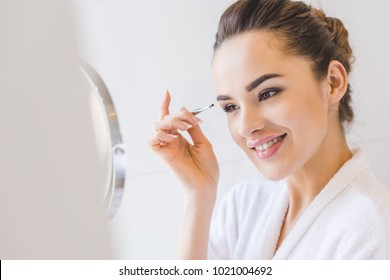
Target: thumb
[{"x": 197, "y": 135}]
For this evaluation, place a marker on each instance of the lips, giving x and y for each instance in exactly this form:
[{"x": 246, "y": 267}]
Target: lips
[
  {"x": 269, "y": 144},
  {"x": 266, "y": 142},
  {"x": 266, "y": 148}
]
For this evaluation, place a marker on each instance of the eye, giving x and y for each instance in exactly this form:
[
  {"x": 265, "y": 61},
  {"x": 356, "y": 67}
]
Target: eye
[
  {"x": 264, "y": 95},
  {"x": 228, "y": 108}
]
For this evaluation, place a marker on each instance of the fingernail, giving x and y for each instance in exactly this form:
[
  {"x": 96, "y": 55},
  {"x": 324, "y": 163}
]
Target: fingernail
[
  {"x": 173, "y": 135},
  {"x": 186, "y": 124},
  {"x": 197, "y": 120},
  {"x": 166, "y": 92}
]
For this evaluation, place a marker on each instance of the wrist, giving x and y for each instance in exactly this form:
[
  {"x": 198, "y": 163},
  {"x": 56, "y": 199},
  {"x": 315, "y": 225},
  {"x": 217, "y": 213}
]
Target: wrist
[{"x": 202, "y": 198}]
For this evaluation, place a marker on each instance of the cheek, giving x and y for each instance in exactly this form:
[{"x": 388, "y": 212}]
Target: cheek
[
  {"x": 303, "y": 120},
  {"x": 233, "y": 125},
  {"x": 306, "y": 120},
  {"x": 234, "y": 131}
]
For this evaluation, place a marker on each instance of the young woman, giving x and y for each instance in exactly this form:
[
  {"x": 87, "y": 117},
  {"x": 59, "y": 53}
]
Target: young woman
[{"x": 281, "y": 74}]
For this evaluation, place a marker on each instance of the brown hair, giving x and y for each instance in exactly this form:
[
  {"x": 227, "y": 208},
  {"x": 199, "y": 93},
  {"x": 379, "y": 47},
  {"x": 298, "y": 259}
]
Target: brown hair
[{"x": 306, "y": 31}]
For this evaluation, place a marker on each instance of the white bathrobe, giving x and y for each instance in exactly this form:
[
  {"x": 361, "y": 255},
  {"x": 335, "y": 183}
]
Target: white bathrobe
[{"x": 349, "y": 219}]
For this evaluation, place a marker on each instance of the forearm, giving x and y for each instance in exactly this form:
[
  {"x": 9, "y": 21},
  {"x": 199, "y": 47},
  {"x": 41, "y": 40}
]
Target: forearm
[{"x": 194, "y": 235}]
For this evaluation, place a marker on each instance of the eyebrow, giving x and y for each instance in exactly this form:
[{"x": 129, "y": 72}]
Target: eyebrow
[
  {"x": 259, "y": 81},
  {"x": 223, "y": 98},
  {"x": 251, "y": 86}
]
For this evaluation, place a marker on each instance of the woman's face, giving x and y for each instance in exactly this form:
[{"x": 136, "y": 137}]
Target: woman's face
[{"x": 277, "y": 110}]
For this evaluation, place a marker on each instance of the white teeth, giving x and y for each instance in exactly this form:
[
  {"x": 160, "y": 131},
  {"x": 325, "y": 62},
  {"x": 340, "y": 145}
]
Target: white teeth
[{"x": 267, "y": 145}]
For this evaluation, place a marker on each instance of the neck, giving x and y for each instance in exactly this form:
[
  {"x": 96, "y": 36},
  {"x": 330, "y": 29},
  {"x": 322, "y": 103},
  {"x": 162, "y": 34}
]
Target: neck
[{"x": 307, "y": 183}]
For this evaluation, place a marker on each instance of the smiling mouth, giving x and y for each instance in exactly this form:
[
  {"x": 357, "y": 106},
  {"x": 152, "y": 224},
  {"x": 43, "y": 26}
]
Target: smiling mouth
[{"x": 265, "y": 146}]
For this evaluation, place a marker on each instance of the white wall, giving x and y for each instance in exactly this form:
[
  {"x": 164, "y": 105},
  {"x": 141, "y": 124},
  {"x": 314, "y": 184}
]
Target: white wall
[
  {"x": 143, "y": 47},
  {"x": 50, "y": 207}
]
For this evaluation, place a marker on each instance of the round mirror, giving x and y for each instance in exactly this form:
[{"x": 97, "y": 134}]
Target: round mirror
[{"x": 110, "y": 145}]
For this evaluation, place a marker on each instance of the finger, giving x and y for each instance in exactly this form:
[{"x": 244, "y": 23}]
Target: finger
[
  {"x": 166, "y": 137},
  {"x": 172, "y": 123},
  {"x": 189, "y": 117},
  {"x": 161, "y": 139},
  {"x": 182, "y": 120},
  {"x": 197, "y": 136},
  {"x": 164, "y": 109},
  {"x": 155, "y": 145}
]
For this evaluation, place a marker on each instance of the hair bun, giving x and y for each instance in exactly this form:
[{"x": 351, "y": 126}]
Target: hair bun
[{"x": 339, "y": 35}]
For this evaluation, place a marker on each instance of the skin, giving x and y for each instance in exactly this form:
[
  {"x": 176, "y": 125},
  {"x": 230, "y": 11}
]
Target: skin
[
  {"x": 295, "y": 104},
  {"x": 291, "y": 103},
  {"x": 196, "y": 167}
]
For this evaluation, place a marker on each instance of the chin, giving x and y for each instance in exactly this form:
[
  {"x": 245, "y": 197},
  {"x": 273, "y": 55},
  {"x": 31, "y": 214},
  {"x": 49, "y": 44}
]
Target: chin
[
  {"x": 273, "y": 169},
  {"x": 272, "y": 172},
  {"x": 272, "y": 176}
]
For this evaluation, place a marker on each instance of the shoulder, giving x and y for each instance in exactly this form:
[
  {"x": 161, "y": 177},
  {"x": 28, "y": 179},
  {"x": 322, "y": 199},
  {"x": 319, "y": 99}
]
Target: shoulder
[
  {"x": 363, "y": 193},
  {"x": 364, "y": 218},
  {"x": 369, "y": 189},
  {"x": 369, "y": 198}
]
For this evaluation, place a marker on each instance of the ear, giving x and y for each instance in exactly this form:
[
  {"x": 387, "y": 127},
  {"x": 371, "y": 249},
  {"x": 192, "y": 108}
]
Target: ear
[{"x": 337, "y": 80}]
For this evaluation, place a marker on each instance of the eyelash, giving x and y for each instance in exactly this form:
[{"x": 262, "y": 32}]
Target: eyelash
[
  {"x": 264, "y": 95},
  {"x": 268, "y": 92},
  {"x": 229, "y": 108}
]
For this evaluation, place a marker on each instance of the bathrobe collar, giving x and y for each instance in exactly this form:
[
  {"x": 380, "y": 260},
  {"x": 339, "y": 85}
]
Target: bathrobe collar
[{"x": 340, "y": 181}]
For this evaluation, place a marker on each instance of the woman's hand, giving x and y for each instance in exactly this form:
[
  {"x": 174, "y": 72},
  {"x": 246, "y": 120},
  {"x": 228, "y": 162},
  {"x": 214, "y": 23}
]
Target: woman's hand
[{"x": 194, "y": 164}]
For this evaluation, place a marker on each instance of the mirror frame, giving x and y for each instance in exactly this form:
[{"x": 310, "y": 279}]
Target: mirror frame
[{"x": 115, "y": 189}]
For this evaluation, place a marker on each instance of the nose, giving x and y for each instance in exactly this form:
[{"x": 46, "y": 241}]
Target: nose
[{"x": 251, "y": 120}]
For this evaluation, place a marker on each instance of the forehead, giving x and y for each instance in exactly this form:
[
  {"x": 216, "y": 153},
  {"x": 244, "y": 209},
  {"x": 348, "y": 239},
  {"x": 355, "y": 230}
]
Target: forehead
[
  {"x": 247, "y": 50},
  {"x": 247, "y": 56},
  {"x": 254, "y": 39}
]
